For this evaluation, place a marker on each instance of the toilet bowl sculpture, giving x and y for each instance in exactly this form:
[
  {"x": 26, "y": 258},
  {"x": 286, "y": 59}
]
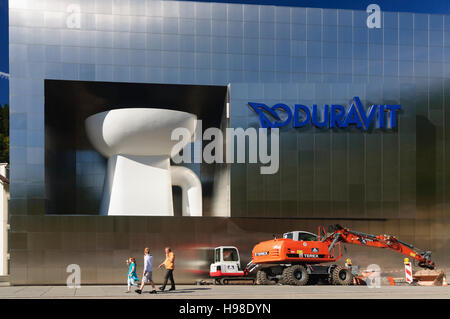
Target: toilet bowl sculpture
[{"x": 139, "y": 177}]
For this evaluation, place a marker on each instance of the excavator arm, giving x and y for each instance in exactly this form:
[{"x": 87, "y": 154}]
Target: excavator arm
[{"x": 345, "y": 235}]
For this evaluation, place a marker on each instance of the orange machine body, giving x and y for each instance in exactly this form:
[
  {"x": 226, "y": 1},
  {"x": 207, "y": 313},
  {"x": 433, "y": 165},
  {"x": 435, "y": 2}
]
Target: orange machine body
[
  {"x": 285, "y": 250},
  {"x": 300, "y": 247}
]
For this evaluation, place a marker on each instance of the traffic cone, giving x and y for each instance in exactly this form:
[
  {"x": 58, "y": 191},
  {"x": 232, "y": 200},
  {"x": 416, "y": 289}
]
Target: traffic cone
[{"x": 391, "y": 281}]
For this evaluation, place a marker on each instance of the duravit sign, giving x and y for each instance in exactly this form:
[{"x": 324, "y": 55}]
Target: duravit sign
[{"x": 328, "y": 116}]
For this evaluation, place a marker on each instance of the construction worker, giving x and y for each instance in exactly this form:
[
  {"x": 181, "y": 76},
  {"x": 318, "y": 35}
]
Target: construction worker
[{"x": 348, "y": 263}]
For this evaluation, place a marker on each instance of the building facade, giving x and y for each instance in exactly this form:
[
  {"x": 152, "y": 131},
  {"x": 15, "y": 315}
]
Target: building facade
[{"x": 71, "y": 59}]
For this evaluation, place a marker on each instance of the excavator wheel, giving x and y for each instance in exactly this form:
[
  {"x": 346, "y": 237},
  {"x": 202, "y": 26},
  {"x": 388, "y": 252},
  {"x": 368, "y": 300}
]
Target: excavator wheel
[
  {"x": 262, "y": 277},
  {"x": 341, "y": 276},
  {"x": 295, "y": 275}
]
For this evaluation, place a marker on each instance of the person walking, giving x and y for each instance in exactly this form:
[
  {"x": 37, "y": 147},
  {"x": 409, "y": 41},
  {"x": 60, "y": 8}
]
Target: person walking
[
  {"x": 169, "y": 264},
  {"x": 132, "y": 278},
  {"x": 147, "y": 273}
]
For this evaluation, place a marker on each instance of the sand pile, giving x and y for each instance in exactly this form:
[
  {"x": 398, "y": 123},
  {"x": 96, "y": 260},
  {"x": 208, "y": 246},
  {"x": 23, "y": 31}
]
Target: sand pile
[
  {"x": 428, "y": 277},
  {"x": 428, "y": 272}
]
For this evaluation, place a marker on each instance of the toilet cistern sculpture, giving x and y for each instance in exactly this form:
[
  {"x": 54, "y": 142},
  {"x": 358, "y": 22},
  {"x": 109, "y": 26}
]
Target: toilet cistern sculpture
[{"x": 139, "y": 178}]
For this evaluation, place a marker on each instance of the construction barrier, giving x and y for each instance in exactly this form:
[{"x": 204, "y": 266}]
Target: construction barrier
[{"x": 408, "y": 272}]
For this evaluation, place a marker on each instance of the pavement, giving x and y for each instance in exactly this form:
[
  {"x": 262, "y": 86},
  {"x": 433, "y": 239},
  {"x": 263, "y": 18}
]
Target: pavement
[{"x": 229, "y": 292}]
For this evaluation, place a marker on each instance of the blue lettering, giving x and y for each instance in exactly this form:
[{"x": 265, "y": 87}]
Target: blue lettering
[
  {"x": 259, "y": 108},
  {"x": 366, "y": 120},
  {"x": 325, "y": 118},
  {"x": 352, "y": 117},
  {"x": 288, "y": 111},
  {"x": 380, "y": 116},
  {"x": 392, "y": 114},
  {"x": 305, "y": 110},
  {"x": 336, "y": 118}
]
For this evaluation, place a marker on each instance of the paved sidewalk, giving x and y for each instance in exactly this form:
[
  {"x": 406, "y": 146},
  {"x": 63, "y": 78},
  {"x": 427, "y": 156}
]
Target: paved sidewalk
[{"x": 229, "y": 292}]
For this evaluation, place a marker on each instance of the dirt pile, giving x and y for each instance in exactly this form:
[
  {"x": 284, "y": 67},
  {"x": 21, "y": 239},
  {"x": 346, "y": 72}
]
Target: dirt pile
[
  {"x": 428, "y": 272},
  {"x": 428, "y": 277}
]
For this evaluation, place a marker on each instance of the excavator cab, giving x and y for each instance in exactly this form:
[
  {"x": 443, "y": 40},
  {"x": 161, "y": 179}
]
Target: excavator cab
[
  {"x": 226, "y": 262},
  {"x": 300, "y": 236}
]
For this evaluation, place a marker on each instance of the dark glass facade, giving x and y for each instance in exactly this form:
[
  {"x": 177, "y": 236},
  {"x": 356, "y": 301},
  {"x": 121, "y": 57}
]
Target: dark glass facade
[{"x": 334, "y": 172}]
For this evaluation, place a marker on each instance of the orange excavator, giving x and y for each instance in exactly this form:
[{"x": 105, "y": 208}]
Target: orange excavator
[{"x": 298, "y": 257}]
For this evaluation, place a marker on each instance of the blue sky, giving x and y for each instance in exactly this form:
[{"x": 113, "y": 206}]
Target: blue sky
[{"x": 423, "y": 6}]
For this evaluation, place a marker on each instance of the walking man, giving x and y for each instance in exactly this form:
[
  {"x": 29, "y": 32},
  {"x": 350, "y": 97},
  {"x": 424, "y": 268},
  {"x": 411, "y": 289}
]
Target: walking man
[
  {"x": 147, "y": 273},
  {"x": 169, "y": 263}
]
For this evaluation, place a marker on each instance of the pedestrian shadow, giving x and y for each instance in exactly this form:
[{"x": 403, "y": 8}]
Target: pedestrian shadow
[
  {"x": 203, "y": 288},
  {"x": 182, "y": 291}
]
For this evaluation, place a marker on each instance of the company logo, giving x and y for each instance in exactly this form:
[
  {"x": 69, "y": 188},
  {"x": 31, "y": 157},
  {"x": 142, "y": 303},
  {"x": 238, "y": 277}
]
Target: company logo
[
  {"x": 310, "y": 256},
  {"x": 328, "y": 116},
  {"x": 264, "y": 253}
]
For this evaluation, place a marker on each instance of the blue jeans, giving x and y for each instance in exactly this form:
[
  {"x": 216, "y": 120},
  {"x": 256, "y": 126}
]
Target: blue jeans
[{"x": 131, "y": 281}]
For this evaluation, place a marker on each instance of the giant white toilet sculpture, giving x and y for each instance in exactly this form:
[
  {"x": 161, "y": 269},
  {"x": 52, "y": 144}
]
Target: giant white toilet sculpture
[{"x": 139, "y": 177}]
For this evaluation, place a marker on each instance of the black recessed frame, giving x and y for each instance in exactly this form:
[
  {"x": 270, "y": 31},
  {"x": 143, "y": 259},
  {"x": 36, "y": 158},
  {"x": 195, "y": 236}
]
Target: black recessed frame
[{"x": 69, "y": 103}]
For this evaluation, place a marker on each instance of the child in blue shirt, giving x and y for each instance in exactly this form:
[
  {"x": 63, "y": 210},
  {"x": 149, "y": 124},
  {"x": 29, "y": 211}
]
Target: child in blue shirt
[{"x": 132, "y": 278}]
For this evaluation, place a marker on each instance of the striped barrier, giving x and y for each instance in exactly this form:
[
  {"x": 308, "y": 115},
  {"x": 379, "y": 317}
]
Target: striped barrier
[{"x": 408, "y": 272}]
